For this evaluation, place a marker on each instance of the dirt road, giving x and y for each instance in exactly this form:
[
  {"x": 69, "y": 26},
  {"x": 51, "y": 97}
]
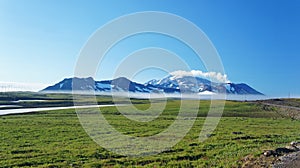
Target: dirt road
[{"x": 291, "y": 161}]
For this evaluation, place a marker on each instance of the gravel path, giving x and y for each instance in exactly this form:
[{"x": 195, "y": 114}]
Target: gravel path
[
  {"x": 29, "y": 110},
  {"x": 282, "y": 106},
  {"x": 291, "y": 161}
]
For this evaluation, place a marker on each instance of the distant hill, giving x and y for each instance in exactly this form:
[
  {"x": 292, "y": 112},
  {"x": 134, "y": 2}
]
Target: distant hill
[{"x": 170, "y": 84}]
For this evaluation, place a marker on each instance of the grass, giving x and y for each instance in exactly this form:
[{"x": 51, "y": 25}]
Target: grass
[{"x": 56, "y": 138}]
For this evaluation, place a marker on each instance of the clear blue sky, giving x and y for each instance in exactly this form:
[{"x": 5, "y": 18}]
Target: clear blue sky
[{"x": 257, "y": 40}]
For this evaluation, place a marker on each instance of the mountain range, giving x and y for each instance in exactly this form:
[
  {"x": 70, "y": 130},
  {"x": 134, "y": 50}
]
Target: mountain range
[{"x": 169, "y": 84}]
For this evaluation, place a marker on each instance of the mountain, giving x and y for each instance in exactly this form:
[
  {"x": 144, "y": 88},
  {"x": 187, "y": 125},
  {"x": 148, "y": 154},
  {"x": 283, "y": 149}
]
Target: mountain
[
  {"x": 80, "y": 84},
  {"x": 89, "y": 84},
  {"x": 169, "y": 84},
  {"x": 189, "y": 84}
]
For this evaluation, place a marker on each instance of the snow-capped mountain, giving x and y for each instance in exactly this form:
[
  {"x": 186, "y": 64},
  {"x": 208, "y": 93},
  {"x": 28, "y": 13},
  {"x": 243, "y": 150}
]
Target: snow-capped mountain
[
  {"x": 186, "y": 84},
  {"x": 190, "y": 84},
  {"x": 170, "y": 84}
]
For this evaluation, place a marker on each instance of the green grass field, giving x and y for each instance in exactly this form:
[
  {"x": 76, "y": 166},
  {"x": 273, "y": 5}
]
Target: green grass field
[{"x": 56, "y": 138}]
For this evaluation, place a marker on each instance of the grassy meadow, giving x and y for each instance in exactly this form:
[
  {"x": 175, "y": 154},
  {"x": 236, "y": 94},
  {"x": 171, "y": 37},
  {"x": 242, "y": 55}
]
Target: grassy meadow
[{"x": 56, "y": 138}]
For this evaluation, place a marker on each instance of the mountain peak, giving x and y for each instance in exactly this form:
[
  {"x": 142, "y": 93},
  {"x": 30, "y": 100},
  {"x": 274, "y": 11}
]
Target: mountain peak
[{"x": 121, "y": 79}]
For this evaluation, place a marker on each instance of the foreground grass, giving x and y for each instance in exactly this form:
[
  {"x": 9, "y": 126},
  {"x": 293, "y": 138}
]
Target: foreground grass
[{"x": 56, "y": 138}]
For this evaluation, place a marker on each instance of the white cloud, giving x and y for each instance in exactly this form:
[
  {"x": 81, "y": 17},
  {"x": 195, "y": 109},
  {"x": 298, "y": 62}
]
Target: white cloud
[
  {"x": 14, "y": 86},
  {"x": 213, "y": 76}
]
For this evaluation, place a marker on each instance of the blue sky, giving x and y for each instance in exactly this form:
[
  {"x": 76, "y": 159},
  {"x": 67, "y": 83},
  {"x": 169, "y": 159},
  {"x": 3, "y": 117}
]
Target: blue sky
[{"x": 258, "y": 41}]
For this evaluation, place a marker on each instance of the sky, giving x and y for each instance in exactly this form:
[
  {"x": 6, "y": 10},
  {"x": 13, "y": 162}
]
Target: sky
[{"x": 257, "y": 41}]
